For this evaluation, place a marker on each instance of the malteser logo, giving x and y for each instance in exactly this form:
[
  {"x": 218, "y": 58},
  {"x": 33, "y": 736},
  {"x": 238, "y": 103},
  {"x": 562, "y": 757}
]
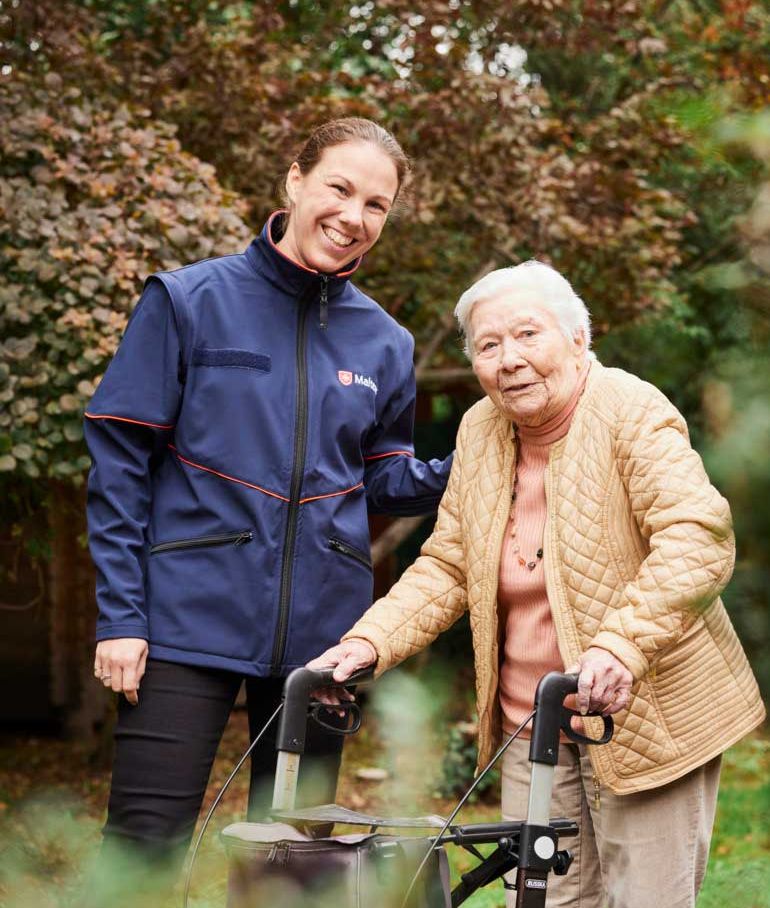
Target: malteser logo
[
  {"x": 349, "y": 378},
  {"x": 366, "y": 381}
]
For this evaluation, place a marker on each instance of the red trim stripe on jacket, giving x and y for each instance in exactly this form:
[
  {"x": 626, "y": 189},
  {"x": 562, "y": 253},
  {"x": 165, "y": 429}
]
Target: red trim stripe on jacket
[
  {"x": 251, "y": 485},
  {"x": 136, "y": 422}
]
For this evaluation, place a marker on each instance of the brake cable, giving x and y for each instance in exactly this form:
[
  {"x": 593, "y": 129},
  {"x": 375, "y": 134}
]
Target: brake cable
[
  {"x": 199, "y": 839},
  {"x": 437, "y": 840}
]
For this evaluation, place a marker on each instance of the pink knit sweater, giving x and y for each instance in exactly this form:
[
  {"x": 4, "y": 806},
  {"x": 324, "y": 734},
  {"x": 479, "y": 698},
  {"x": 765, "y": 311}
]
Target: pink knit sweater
[{"x": 529, "y": 638}]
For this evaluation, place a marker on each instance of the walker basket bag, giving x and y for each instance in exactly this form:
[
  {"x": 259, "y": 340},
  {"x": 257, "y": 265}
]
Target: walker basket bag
[
  {"x": 279, "y": 864},
  {"x": 275, "y": 864}
]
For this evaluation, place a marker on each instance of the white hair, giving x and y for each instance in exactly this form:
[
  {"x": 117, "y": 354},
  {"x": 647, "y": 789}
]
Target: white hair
[{"x": 530, "y": 279}]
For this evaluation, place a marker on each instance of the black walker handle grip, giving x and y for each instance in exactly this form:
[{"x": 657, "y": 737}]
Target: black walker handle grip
[
  {"x": 551, "y": 716},
  {"x": 549, "y": 697},
  {"x": 292, "y": 728}
]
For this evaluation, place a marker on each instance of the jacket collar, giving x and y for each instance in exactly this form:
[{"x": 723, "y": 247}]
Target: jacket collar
[{"x": 267, "y": 259}]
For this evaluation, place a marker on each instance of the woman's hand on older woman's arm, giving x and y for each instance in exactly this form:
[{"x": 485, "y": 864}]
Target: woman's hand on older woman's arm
[{"x": 604, "y": 683}]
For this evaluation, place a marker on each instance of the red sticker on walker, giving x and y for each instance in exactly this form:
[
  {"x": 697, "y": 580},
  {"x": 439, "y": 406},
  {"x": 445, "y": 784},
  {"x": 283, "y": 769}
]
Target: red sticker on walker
[{"x": 346, "y": 378}]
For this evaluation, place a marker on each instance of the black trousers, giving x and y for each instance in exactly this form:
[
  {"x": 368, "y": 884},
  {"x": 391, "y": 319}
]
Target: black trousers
[{"x": 165, "y": 746}]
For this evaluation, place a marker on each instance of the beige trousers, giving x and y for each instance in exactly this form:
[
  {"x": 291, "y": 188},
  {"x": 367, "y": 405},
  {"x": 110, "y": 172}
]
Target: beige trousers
[{"x": 632, "y": 851}]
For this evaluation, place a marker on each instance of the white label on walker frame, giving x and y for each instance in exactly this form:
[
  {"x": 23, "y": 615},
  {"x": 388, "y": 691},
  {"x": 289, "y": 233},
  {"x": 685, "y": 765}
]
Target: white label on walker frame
[
  {"x": 544, "y": 847},
  {"x": 534, "y": 884}
]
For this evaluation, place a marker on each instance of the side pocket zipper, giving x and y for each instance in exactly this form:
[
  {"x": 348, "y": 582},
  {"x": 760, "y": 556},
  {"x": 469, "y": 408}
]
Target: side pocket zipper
[
  {"x": 239, "y": 538},
  {"x": 343, "y": 548}
]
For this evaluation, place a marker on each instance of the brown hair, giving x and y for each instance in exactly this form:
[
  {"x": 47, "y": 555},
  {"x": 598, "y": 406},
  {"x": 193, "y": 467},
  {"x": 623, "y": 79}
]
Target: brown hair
[{"x": 352, "y": 129}]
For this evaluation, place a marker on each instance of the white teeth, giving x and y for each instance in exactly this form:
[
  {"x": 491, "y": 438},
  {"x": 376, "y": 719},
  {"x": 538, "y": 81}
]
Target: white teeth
[{"x": 339, "y": 239}]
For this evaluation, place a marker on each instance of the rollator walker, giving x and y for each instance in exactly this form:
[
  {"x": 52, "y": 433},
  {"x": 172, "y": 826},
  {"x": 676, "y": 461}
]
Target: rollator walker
[{"x": 282, "y": 862}]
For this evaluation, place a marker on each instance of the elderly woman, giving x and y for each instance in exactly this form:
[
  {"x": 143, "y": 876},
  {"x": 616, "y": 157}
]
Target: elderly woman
[{"x": 580, "y": 530}]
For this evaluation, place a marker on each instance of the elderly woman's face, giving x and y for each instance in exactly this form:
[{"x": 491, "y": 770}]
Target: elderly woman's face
[{"x": 523, "y": 359}]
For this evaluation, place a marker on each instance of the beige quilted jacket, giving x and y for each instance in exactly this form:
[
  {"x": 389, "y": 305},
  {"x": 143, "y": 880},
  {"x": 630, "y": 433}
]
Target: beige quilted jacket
[{"x": 638, "y": 547}]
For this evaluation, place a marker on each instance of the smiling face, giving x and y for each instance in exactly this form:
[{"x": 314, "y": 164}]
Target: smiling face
[
  {"x": 338, "y": 208},
  {"x": 523, "y": 360}
]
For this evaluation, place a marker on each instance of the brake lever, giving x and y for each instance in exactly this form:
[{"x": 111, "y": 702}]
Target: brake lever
[
  {"x": 348, "y": 708},
  {"x": 565, "y": 724}
]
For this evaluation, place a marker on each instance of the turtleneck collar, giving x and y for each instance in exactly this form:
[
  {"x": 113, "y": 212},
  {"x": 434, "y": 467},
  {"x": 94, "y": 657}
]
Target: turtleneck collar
[
  {"x": 265, "y": 256},
  {"x": 558, "y": 425}
]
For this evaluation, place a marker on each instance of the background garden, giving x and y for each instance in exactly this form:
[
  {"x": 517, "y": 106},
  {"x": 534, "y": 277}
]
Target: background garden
[{"x": 628, "y": 143}]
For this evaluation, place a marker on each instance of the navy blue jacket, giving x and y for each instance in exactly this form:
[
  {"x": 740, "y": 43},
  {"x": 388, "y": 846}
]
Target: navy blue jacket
[{"x": 236, "y": 443}]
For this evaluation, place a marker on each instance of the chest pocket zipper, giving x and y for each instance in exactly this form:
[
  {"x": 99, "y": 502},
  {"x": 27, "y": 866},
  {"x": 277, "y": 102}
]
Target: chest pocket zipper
[
  {"x": 239, "y": 538},
  {"x": 337, "y": 545}
]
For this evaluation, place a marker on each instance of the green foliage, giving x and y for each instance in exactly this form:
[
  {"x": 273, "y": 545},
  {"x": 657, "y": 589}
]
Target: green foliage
[
  {"x": 458, "y": 766},
  {"x": 552, "y": 130},
  {"x": 94, "y": 196},
  {"x": 52, "y": 799},
  {"x": 735, "y": 401},
  {"x": 587, "y": 134},
  {"x": 740, "y": 850}
]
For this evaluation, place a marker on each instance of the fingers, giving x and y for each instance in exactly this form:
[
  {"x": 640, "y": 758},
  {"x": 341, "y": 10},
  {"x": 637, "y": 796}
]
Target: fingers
[
  {"x": 130, "y": 684},
  {"x": 585, "y": 689},
  {"x": 621, "y": 700},
  {"x": 333, "y": 696},
  {"x": 349, "y": 664},
  {"x": 99, "y": 668},
  {"x": 346, "y": 658},
  {"x": 120, "y": 665},
  {"x": 604, "y": 683},
  {"x": 116, "y": 678},
  {"x": 132, "y": 675}
]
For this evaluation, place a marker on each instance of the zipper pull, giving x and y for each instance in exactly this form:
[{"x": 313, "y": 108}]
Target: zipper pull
[
  {"x": 597, "y": 794},
  {"x": 244, "y": 537},
  {"x": 324, "y": 302}
]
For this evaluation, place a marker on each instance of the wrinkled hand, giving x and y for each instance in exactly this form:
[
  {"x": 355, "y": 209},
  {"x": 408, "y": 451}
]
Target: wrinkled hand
[
  {"x": 120, "y": 664},
  {"x": 346, "y": 658},
  {"x": 604, "y": 683}
]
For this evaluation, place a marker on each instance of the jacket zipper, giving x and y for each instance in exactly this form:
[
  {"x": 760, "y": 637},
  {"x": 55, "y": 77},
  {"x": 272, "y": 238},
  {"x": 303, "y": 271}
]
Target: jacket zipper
[
  {"x": 323, "y": 314},
  {"x": 338, "y": 545},
  {"x": 298, "y": 470},
  {"x": 203, "y": 542}
]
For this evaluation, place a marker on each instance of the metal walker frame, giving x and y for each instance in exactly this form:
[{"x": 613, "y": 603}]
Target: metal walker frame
[{"x": 529, "y": 846}]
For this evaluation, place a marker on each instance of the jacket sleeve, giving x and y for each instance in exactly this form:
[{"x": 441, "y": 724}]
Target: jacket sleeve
[
  {"x": 396, "y": 482},
  {"x": 127, "y": 427},
  {"x": 687, "y": 528},
  {"x": 431, "y": 594}
]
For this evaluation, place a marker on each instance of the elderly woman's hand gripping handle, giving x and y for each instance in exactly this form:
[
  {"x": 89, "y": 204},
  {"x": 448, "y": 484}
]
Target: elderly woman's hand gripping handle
[
  {"x": 604, "y": 683},
  {"x": 346, "y": 658}
]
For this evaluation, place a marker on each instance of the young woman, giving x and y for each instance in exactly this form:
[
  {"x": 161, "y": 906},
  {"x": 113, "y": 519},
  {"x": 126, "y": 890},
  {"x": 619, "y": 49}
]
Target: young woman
[{"x": 258, "y": 406}]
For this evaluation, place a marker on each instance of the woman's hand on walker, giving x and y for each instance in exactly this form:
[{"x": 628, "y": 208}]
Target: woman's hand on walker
[
  {"x": 604, "y": 683},
  {"x": 346, "y": 658},
  {"x": 120, "y": 664}
]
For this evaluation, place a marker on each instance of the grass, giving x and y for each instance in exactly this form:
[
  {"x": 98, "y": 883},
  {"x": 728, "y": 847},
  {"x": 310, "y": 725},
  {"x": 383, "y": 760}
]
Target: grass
[
  {"x": 52, "y": 802},
  {"x": 739, "y": 865}
]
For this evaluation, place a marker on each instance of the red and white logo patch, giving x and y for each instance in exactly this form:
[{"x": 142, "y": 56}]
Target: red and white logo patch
[{"x": 346, "y": 378}]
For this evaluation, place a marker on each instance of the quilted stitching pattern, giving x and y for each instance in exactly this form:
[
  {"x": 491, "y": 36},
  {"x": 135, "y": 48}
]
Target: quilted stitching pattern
[{"x": 638, "y": 547}]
